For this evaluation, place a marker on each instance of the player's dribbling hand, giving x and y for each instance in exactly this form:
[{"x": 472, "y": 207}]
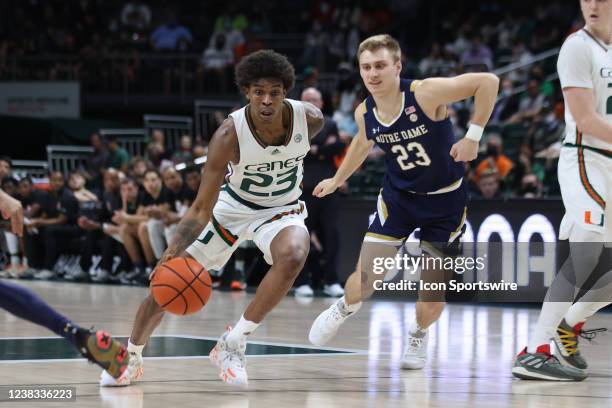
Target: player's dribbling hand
[
  {"x": 464, "y": 150},
  {"x": 324, "y": 188}
]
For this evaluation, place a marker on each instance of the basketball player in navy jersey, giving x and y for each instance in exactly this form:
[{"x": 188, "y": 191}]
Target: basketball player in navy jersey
[
  {"x": 98, "y": 347},
  {"x": 423, "y": 186}
]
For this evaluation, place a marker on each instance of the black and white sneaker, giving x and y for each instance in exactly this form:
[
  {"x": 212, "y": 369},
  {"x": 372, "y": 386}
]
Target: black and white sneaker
[{"x": 541, "y": 365}]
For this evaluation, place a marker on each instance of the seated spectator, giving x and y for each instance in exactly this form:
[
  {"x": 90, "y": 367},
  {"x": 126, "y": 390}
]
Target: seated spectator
[
  {"x": 50, "y": 234},
  {"x": 138, "y": 168},
  {"x": 96, "y": 162},
  {"x": 126, "y": 220},
  {"x": 547, "y": 128},
  {"x": 530, "y": 104},
  {"x": 136, "y": 15},
  {"x": 171, "y": 36},
  {"x": 118, "y": 158},
  {"x": 155, "y": 203},
  {"x": 216, "y": 63},
  {"x": 9, "y": 242},
  {"x": 192, "y": 183},
  {"x": 478, "y": 55},
  {"x": 100, "y": 232},
  {"x": 494, "y": 159},
  {"x": 155, "y": 154},
  {"x": 6, "y": 166},
  {"x": 162, "y": 229},
  {"x": 531, "y": 186},
  {"x": 488, "y": 185},
  {"x": 506, "y": 105},
  {"x": 199, "y": 151},
  {"x": 184, "y": 153}
]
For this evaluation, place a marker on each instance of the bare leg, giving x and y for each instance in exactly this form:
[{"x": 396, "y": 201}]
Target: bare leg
[
  {"x": 431, "y": 303},
  {"x": 148, "y": 317},
  {"x": 128, "y": 235},
  {"x": 289, "y": 251},
  {"x": 143, "y": 236}
]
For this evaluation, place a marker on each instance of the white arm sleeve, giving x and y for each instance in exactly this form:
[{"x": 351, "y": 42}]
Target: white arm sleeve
[{"x": 575, "y": 64}]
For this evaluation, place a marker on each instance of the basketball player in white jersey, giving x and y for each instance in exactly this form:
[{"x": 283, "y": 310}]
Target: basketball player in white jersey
[
  {"x": 585, "y": 176},
  {"x": 263, "y": 145}
]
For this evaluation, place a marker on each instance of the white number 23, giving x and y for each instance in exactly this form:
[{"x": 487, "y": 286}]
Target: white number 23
[{"x": 403, "y": 159}]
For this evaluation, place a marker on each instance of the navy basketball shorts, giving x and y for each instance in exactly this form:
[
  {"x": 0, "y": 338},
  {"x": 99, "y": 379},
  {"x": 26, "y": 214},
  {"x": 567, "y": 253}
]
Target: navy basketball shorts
[{"x": 440, "y": 217}]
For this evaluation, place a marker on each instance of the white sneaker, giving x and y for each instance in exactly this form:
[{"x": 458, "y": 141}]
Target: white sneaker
[
  {"x": 303, "y": 291},
  {"x": 44, "y": 274},
  {"x": 327, "y": 324},
  {"x": 132, "y": 373},
  {"x": 76, "y": 273},
  {"x": 230, "y": 361},
  {"x": 415, "y": 351},
  {"x": 101, "y": 276},
  {"x": 334, "y": 290}
]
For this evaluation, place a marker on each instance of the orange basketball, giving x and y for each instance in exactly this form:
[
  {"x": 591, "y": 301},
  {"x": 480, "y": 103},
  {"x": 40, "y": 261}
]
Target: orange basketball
[{"x": 181, "y": 286}]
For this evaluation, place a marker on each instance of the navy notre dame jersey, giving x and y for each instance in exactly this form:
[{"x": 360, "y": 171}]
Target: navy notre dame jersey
[{"x": 417, "y": 149}]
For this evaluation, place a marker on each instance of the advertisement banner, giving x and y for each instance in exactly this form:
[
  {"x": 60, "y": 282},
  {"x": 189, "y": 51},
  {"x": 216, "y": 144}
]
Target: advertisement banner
[{"x": 43, "y": 99}]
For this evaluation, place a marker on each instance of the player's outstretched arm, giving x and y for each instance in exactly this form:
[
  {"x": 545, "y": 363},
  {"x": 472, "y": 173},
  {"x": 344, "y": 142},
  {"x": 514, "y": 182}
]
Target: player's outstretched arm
[
  {"x": 433, "y": 93},
  {"x": 13, "y": 210},
  {"x": 581, "y": 103},
  {"x": 355, "y": 156},
  {"x": 222, "y": 148}
]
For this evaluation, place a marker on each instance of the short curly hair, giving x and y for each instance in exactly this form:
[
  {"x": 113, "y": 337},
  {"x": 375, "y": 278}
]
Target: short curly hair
[{"x": 264, "y": 64}]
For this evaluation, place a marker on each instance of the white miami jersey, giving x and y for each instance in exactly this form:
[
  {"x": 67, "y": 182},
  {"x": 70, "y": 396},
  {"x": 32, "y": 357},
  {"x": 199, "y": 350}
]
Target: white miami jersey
[
  {"x": 269, "y": 176},
  {"x": 586, "y": 62}
]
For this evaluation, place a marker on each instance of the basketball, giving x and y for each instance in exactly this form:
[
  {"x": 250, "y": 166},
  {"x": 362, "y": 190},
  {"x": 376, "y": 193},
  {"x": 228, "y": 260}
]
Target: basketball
[{"x": 181, "y": 286}]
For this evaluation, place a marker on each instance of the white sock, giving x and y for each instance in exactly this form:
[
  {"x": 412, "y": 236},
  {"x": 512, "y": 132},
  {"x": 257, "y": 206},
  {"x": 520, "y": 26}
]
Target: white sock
[
  {"x": 133, "y": 348},
  {"x": 580, "y": 311},
  {"x": 346, "y": 308},
  {"x": 240, "y": 332},
  {"x": 15, "y": 260},
  {"x": 550, "y": 316},
  {"x": 414, "y": 328}
]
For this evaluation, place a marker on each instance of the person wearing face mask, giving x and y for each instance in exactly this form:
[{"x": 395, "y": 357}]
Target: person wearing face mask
[
  {"x": 494, "y": 159},
  {"x": 507, "y": 103}
]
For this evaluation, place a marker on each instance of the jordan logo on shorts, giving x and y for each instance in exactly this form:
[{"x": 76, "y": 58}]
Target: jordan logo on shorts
[{"x": 589, "y": 219}]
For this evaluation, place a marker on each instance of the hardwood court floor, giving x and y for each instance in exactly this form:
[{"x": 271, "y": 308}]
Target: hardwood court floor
[{"x": 471, "y": 351}]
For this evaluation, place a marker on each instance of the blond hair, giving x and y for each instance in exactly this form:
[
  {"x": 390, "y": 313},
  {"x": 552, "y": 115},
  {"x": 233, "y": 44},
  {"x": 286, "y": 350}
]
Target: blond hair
[{"x": 376, "y": 42}]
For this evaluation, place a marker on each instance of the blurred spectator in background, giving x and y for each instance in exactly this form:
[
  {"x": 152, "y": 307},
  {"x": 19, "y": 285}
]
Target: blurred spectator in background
[
  {"x": 162, "y": 229},
  {"x": 138, "y": 168},
  {"x": 155, "y": 203},
  {"x": 96, "y": 162},
  {"x": 118, "y": 158},
  {"x": 6, "y": 167},
  {"x": 322, "y": 212},
  {"x": 506, "y": 105},
  {"x": 215, "y": 69},
  {"x": 531, "y": 186},
  {"x": 477, "y": 56},
  {"x": 547, "y": 128},
  {"x": 9, "y": 242},
  {"x": 199, "y": 151},
  {"x": 530, "y": 104},
  {"x": 494, "y": 159},
  {"x": 192, "y": 183},
  {"x": 184, "y": 153},
  {"x": 171, "y": 36},
  {"x": 488, "y": 185},
  {"x": 54, "y": 230},
  {"x": 99, "y": 231},
  {"x": 127, "y": 219},
  {"x": 136, "y": 15}
]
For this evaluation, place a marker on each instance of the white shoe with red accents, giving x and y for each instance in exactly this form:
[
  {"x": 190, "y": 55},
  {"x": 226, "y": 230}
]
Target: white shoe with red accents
[
  {"x": 132, "y": 373},
  {"x": 230, "y": 361}
]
